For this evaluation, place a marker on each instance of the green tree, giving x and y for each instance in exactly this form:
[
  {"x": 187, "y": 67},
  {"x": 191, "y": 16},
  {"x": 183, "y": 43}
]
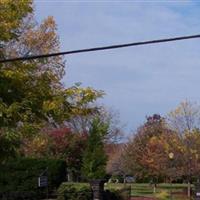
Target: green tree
[
  {"x": 32, "y": 95},
  {"x": 25, "y": 87},
  {"x": 94, "y": 159},
  {"x": 12, "y": 15}
]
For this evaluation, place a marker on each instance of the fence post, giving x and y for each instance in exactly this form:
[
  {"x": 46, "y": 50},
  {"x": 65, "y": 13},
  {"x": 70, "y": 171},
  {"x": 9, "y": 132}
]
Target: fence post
[
  {"x": 97, "y": 188},
  {"x": 197, "y": 191}
]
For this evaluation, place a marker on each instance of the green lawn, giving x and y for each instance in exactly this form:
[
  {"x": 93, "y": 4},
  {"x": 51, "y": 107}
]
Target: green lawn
[{"x": 163, "y": 191}]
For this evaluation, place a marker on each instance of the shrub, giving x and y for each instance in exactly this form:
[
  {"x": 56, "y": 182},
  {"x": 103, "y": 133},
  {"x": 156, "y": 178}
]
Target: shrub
[
  {"x": 74, "y": 191},
  {"x": 19, "y": 177}
]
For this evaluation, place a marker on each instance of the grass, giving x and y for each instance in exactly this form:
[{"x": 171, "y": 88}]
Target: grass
[{"x": 163, "y": 190}]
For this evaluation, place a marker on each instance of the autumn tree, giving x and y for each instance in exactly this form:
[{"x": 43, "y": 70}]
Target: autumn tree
[
  {"x": 144, "y": 142},
  {"x": 191, "y": 155},
  {"x": 185, "y": 119},
  {"x": 193, "y": 138},
  {"x": 32, "y": 95},
  {"x": 81, "y": 120},
  {"x": 26, "y": 85},
  {"x": 116, "y": 164},
  {"x": 115, "y": 128},
  {"x": 60, "y": 143},
  {"x": 12, "y": 14},
  {"x": 156, "y": 158}
]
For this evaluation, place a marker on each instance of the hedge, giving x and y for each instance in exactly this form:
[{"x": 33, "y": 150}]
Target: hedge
[
  {"x": 19, "y": 177},
  {"x": 74, "y": 191},
  {"x": 82, "y": 191}
]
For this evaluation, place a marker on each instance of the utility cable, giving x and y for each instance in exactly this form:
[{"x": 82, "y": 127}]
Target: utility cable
[{"x": 99, "y": 48}]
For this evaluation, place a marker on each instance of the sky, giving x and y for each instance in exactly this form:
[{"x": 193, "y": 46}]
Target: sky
[{"x": 138, "y": 81}]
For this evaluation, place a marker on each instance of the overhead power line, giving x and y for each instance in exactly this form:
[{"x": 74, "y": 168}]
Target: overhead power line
[{"x": 100, "y": 48}]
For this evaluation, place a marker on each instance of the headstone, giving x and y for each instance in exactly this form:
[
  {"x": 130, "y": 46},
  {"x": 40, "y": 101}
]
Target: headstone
[{"x": 97, "y": 189}]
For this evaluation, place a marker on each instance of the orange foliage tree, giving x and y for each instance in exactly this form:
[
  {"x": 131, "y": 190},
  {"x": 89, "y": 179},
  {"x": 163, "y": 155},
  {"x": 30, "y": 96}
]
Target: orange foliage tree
[{"x": 147, "y": 154}]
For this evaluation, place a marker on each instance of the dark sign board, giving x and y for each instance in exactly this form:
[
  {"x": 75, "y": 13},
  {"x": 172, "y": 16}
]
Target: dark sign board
[{"x": 42, "y": 181}]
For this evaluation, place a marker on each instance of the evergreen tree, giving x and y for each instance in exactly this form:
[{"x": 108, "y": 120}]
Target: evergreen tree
[{"x": 94, "y": 159}]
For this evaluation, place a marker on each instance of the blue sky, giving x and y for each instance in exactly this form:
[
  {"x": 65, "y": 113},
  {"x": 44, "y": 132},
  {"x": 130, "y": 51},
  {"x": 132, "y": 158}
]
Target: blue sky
[{"x": 138, "y": 81}]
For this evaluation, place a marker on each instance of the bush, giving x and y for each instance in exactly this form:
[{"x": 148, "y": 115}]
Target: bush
[
  {"x": 82, "y": 191},
  {"x": 74, "y": 191},
  {"x": 19, "y": 177}
]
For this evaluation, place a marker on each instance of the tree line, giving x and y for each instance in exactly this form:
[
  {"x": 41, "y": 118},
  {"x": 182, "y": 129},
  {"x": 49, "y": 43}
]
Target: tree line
[
  {"x": 39, "y": 116},
  {"x": 163, "y": 149}
]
